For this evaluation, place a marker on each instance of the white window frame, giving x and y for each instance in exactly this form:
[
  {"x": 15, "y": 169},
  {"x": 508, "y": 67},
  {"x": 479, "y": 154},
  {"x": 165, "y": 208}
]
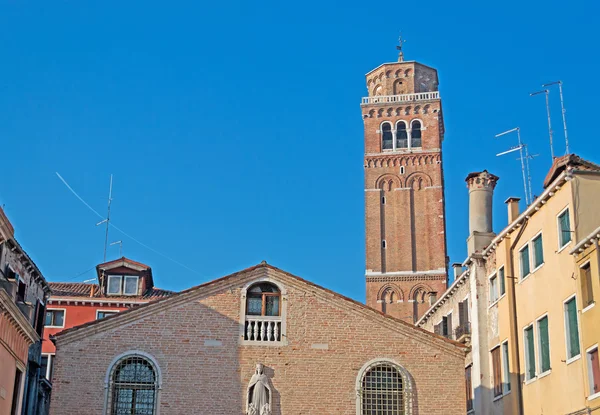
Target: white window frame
[
  {"x": 450, "y": 329},
  {"x": 566, "y": 323},
  {"x": 64, "y": 310},
  {"x": 526, "y": 354},
  {"x": 410, "y": 128},
  {"x": 137, "y": 284},
  {"x": 106, "y": 311},
  {"x": 503, "y": 269},
  {"x": 505, "y": 369},
  {"x": 538, "y": 341},
  {"x": 494, "y": 277},
  {"x": 120, "y": 277},
  {"x": 593, "y": 303},
  {"x": 589, "y": 350},
  {"x": 562, "y": 246},
  {"x": 49, "y": 366}
]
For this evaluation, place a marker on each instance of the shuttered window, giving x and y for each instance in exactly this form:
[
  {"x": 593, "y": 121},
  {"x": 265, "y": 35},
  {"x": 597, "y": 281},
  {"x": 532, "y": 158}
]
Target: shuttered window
[
  {"x": 572, "y": 329},
  {"x": 497, "y": 371},
  {"x": 469, "y": 388},
  {"x": 564, "y": 229},
  {"x": 494, "y": 289},
  {"x": 505, "y": 368},
  {"x": 524, "y": 254},
  {"x": 529, "y": 354},
  {"x": 538, "y": 251},
  {"x": 544, "y": 345},
  {"x": 586, "y": 285},
  {"x": 502, "y": 281},
  {"x": 594, "y": 371}
]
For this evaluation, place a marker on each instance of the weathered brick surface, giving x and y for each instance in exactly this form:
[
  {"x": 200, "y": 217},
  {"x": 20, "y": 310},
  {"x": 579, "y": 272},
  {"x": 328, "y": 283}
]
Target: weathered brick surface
[
  {"x": 197, "y": 379},
  {"x": 404, "y": 195}
]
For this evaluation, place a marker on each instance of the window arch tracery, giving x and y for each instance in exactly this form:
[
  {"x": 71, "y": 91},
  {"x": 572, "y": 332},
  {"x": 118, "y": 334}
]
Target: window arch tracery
[
  {"x": 133, "y": 384},
  {"x": 384, "y": 388}
]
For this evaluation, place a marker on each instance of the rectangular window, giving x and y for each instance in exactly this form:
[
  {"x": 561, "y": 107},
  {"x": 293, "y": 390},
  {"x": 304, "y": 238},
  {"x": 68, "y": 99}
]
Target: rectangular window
[
  {"x": 586, "y": 285},
  {"x": 505, "y": 368},
  {"x": 469, "y": 386},
  {"x": 55, "y": 318},
  {"x": 16, "y": 393},
  {"x": 564, "y": 229},
  {"x": 494, "y": 289},
  {"x": 131, "y": 285},
  {"x": 114, "y": 284},
  {"x": 502, "y": 281},
  {"x": 543, "y": 344},
  {"x": 529, "y": 354},
  {"x": 571, "y": 328},
  {"x": 538, "y": 251},
  {"x": 102, "y": 314},
  {"x": 593, "y": 371},
  {"x": 447, "y": 326},
  {"x": 497, "y": 371},
  {"x": 524, "y": 254}
]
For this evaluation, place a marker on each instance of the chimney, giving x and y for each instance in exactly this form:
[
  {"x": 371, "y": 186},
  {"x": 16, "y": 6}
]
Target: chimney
[
  {"x": 513, "y": 208},
  {"x": 481, "y": 190},
  {"x": 458, "y": 269}
]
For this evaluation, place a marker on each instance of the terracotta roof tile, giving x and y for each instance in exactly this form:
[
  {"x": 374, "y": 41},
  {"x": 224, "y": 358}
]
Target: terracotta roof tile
[
  {"x": 79, "y": 289},
  {"x": 569, "y": 160}
]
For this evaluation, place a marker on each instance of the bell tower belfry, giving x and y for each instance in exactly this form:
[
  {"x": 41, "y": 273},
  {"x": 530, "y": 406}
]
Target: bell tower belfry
[{"x": 406, "y": 262}]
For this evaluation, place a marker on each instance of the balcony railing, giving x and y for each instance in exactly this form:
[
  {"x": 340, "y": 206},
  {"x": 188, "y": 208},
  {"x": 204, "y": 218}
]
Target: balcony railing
[
  {"x": 464, "y": 329},
  {"x": 403, "y": 98},
  {"x": 262, "y": 329}
]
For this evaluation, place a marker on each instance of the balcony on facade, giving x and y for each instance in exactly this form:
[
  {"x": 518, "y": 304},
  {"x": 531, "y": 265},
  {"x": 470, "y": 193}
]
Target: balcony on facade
[
  {"x": 262, "y": 329},
  {"x": 462, "y": 333},
  {"x": 401, "y": 99}
]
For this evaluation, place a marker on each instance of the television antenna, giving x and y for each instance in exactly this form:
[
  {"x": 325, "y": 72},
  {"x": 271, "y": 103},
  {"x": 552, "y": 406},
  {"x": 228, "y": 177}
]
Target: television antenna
[
  {"x": 120, "y": 247},
  {"x": 524, "y": 158},
  {"x": 564, "y": 112},
  {"x": 107, "y": 220},
  {"x": 550, "y": 133}
]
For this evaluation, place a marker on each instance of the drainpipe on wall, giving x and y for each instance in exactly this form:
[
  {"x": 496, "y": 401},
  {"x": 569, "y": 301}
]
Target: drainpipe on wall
[{"x": 514, "y": 321}]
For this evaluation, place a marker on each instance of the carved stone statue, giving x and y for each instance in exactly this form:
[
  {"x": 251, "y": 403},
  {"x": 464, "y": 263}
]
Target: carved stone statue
[{"x": 258, "y": 398}]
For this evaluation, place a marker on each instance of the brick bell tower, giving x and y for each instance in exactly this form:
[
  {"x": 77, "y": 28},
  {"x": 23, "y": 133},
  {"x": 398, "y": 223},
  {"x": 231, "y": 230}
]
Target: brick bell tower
[{"x": 404, "y": 189}]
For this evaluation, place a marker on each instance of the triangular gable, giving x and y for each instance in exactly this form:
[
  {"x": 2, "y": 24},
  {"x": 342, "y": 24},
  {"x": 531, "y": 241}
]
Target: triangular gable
[
  {"x": 123, "y": 265},
  {"x": 564, "y": 162},
  {"x": 237, "y": 280}
]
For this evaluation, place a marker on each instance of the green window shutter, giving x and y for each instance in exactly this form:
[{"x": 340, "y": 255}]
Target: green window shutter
[
  {"x": 573, "y": 329},
  {"x": 502, "y": 283},
  {"x": 538, "y": 251},
  {"x": 565, "y": 228},
  {"x": 531, "y": 353},
  {"x": 544, "y": 344},
  {"x": 525, "y": 262}
]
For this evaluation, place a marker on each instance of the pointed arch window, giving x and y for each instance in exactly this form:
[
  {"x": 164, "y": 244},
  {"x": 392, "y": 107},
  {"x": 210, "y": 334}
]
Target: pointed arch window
[
  {"x": 415, "y": 134},
  {"x": 133, "y": 384},
  {"x": 387, "y": 138},
  {"x": 401, "y": 135}
]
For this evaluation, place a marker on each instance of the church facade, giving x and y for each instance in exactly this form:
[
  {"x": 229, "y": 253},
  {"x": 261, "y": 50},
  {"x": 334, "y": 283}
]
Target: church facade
[
  {"x": 260, "y": 341},
  {"x": 406, "y": 261}
]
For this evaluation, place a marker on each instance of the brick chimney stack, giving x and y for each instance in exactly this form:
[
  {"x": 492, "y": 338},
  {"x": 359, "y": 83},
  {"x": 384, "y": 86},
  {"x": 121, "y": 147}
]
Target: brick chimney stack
[{"x": 481, "y": 191}]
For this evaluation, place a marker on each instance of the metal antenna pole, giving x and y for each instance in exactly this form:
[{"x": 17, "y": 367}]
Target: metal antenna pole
[
  {"x": 527, "y": 157},
  {"x": 547, "y": 92},
  {"x": 108, "y": 217},
  {"x": 563, "y": 110},
  {"x": 120, "y": 247},
  {"x": 521, "y": 157}
]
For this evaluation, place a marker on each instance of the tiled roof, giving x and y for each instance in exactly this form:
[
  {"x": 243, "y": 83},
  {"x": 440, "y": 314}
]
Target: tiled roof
[
  {"x": 79, "y": 290},
  {"x": 570, "y": 160}
]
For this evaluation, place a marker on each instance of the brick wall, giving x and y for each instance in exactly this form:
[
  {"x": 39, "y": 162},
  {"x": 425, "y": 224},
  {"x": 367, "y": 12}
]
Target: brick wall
[{"x": 329, "y": 340}]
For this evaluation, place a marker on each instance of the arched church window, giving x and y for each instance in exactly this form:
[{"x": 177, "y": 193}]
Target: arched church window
[
  {"x": 263, "y": 299},
  {"x": 133, "y": 386},
  {"x": 386, "y": 136},
  {"x": 401, "y": 135},
  {"x": 415, "y": 134},
  {"x": 383, "y": 389}
]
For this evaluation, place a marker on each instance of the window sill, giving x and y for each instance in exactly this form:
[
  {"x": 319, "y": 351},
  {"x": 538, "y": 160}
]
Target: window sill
[
  {"x": 506, "y": 393},
  {"x": 588, "y": 307},
  {"x": 522, "y": 279},
  {"x": 546, "y": 373},
  {"x": 573, "y": 359},
  {"x": 470, "y": 411},
  {"x": 497, "y": 398},
  {"x": 54, "y": 327},
  {"x": 536, "y": 268},
  {"x": 280, "y": 343},
  {"x": 564, "y": 246},
  {"x": 497, "y": 301},
  {"x": 533, "y": 379},
  {"x": 594, "y": 396}
]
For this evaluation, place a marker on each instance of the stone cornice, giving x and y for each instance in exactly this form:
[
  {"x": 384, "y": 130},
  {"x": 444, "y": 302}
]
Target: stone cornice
[
  {"x": 460, "y": 281},
  {"x": 18, "y": 319}
]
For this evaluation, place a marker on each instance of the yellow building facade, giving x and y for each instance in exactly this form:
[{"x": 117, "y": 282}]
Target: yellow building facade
[{"x": 544, "y": 335}]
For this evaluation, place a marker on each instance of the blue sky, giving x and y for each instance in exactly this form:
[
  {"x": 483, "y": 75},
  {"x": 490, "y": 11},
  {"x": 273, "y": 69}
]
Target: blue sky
[{"x": 234, "y": 131}]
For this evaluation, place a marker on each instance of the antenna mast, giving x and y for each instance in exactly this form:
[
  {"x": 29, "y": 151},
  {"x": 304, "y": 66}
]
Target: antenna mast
[
  {"x": 545, "y": 91},
  {"x": 563, "y": 110},
  {"x": 524, "y": 159},
  {"x": 107, "y": 220},
  {"x": 120, "y": 247}
]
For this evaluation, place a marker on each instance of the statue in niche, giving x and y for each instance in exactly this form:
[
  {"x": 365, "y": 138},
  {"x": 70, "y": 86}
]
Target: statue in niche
[{"x": 258, "y": 399}]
